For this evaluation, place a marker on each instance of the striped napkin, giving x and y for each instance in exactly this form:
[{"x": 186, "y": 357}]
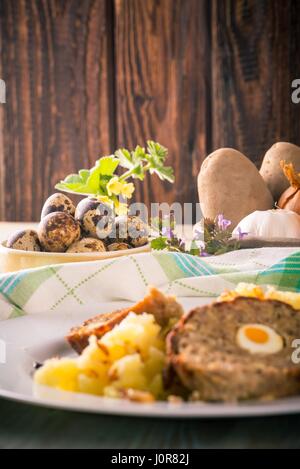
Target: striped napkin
[{"x": 82, "y": 286}]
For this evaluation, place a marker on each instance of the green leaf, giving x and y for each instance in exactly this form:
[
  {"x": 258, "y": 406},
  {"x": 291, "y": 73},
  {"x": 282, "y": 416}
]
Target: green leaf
[
  {"x": 138, "y": 172},
  {"x": 73, "y": 179},
  {"x": 138, "y": 155},
  {"x": 158, "y": 152},
  {"x": 156, "y": 158},
  {"x": 76, "y": 183},
  {"x": 164, "y": 173},
  {"x": 77, "y": 188},
  {"x": 93, "y": 181},
  {"x": 133, "y": 162},
  {"x": 159, "y": 243},
  {"x": 107, "y": 165},
  {"x": 137, "y": 162},
  {"x": 84, "y": 174},
  {"x": 125, "y": 158},
  {"x": 103, "y": 184}
]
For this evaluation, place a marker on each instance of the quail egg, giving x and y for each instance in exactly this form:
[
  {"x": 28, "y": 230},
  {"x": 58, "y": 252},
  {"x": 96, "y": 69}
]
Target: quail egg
[
  {"x": 25, "y": 240},
  {"x": 58, "y": 203},
  {"x": 95, "y": 217},
  {"x": 57, "y": 231},
  {"x": 118, "y": 246},
  {"x": 132, "y": 229},
  {"x": 87, "y": 245}
]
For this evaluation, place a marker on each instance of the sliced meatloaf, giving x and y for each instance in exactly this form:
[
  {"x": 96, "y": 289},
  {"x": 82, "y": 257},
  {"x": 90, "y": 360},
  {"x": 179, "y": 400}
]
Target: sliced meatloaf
[
  {"x": 164, "y": 308},
  {"x": 204, "y": 353}
]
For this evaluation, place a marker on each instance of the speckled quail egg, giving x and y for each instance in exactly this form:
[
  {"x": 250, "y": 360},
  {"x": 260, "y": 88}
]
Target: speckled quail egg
[
  {"x": 58, "y": 203},
  {"x": 57, "y": 231},
  {"x": 132, "y": 229},
  {"x": 118, "y": 246},
  {"x": 87, "y": 245},
  {"x": 95, "y": 217},
  {"x": 25, "y": 240}
]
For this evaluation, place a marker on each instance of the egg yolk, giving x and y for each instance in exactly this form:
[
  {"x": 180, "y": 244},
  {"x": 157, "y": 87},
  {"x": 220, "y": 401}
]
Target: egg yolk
[{"x": 256, "y": 335}]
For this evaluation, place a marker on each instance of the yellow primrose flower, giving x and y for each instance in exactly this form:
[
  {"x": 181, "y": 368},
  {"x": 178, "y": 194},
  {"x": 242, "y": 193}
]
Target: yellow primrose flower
[
  {"x": 127, "y": 190},
  {"x": 121, "y": 208},
  {"x": 104, "y": 199},
  {"x": 117, "y": 187},
  {"x": 114, "y": 186}
]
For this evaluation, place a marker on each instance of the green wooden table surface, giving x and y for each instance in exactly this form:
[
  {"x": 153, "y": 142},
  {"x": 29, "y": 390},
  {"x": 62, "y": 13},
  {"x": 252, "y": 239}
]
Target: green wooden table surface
[{"x": 24, "y": 426}]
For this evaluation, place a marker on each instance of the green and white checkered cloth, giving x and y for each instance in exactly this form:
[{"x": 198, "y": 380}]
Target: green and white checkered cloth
[{"x": 81, "y": 286}]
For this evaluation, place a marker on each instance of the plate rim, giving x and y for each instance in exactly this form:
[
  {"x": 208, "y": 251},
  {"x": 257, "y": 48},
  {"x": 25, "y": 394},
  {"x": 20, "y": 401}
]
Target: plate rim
[{"x": 196, "y": 410}]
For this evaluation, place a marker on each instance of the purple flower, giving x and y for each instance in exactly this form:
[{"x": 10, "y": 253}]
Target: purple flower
[
  {"x": 222, "y": 223},
  {"x": 199, "y": 243},
  {"x": 240, "y": 233},
  {"x": 203, "y": 253},
  {"x": 167, "y": 232}
]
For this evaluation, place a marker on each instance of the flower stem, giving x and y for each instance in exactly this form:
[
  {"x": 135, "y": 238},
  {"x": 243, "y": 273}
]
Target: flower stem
[{"x": 129, "y": 173}]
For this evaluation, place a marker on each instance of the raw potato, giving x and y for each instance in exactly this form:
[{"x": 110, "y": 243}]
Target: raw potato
[
  {"x": 230, "y": 184},
  {"x": 271, "y": 170}
]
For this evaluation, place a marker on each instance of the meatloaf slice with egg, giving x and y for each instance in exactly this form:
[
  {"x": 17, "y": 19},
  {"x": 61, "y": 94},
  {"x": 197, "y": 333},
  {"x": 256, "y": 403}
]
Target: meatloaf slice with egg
[
  {"x": 164, "y": 308},
  {"x": 206, "y": 353}
]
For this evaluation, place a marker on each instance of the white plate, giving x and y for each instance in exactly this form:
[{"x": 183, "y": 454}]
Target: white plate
[{"x": 37, "y": 337}]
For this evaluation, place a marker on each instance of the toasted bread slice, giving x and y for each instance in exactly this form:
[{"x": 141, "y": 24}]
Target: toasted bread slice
[
  {"x": 78, "y": 337},
  {"x": 164, "y": 308}
]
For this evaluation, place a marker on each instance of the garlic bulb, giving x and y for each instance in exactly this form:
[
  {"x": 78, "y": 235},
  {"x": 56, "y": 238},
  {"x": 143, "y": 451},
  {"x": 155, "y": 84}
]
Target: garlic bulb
[
  {"x": 290, "y": 199},
  {"x": 270, "y": 224}
]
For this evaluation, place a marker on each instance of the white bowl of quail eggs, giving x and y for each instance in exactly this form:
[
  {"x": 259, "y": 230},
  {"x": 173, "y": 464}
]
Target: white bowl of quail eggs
[{"x": 67, "y": 233}]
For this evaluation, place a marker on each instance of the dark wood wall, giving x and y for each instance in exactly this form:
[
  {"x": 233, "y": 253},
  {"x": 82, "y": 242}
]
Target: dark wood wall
[{"x": 84, "y": 77}]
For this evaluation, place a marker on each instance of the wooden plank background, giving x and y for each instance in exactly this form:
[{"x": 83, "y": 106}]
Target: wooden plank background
[
  {"x": 87, "y": 76},
  {"x": 255, "y": 57}
]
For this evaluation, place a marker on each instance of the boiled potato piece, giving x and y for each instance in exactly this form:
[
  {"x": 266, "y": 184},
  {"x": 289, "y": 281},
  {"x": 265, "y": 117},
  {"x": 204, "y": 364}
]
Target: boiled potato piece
[
  {"x": 271, "y": 170},
  {"x": 251, "y": 290},
  {"x": 59, "y": 373},
  {"x": 230, "y": 184},
  {"x": 130, "y": 357}
]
